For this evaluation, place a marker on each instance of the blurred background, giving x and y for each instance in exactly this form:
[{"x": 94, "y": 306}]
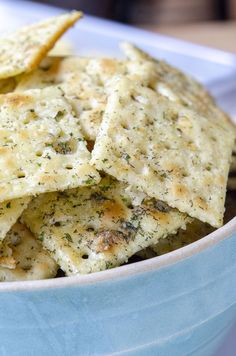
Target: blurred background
[
  {"x": 154, "y": 11},
  {"x": 207, "y": 22}
]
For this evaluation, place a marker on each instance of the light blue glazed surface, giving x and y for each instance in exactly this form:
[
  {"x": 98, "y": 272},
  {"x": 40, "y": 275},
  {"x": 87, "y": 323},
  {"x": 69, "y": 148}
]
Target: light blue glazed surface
[
  {"x": 185, "y": 308},
  {"x": 181, "y": 309}
]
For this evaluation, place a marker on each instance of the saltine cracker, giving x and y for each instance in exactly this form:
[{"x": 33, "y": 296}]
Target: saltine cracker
[
  {"x": 24, "y": 49},
  {"x": 23, "y": 258},
  {"x": 93, "y": 229},
  {"x": 176, "y": 85},
  {"x": 85, "y": 82},
  {"x": 10, "y": 211},
  {"x": 41, "y": 145},
  {"x": 166, "y": 150}
]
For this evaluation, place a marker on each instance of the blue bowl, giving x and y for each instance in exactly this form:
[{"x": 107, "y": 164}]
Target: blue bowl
[{"x": 180, "y": 303}]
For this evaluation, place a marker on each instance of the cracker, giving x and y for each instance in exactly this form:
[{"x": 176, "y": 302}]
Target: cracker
[
  {"x": 87, "y": 92},
  {"x": 53, "y": 70},
  {"x": 10, "y": 211},
  {"x": 24, "y": 49},
  {"x": 41, "y": 146},
  {"x": 195, "y": 230},
  {"x": 166, "y": 150},
  {"x": 93, "y": 229},
  {"x": 85, "y": 82},
  {"x": 176, "y": 85},
  {"x": 22, "y": 257}
]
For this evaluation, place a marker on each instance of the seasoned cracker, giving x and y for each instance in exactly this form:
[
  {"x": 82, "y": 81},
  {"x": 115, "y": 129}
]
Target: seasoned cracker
[
  {"x": 10, "y": 211},
  {"x": 85, "y": 82},
  {"x": 24, "y": 49},
  {"x": 176, "y": 85},
  {"x": 53, "y": 70},
  {"x": 23, "y": 258},
  {"x": 91, "y": 229},
  {"x": 165, "y": 150},
  {"x": 41, "y": 145}
]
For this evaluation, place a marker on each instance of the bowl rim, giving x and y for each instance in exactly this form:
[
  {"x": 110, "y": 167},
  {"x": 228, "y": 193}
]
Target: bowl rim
[{"x": 149, "y": 265}]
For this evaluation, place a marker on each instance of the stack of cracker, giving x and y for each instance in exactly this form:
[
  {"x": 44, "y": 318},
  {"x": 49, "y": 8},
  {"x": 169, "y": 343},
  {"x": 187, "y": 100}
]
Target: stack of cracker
[{"x": 102, "y": 158}]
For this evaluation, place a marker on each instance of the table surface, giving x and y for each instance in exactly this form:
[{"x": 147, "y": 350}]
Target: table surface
[{"x": 216, "y": 34}]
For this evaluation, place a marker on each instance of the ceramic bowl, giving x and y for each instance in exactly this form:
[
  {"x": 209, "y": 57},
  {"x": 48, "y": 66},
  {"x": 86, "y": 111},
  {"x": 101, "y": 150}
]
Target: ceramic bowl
[{"x": 181, "y": 303}]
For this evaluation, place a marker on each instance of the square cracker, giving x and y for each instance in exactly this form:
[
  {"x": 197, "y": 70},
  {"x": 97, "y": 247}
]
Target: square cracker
[
  {"x": 23, "y": 258},
  {"x": 24, "y": 49},
  {"x": 53, "y": 70},
  {"x": 176, "y": 85},
  {"x": 41, "y": 146},
  {"x": 85, "y": 82},
  {"x": 91, "y": 229},
  {"x": 10, "y": 211},
  {"x": 166, "y": 150}
]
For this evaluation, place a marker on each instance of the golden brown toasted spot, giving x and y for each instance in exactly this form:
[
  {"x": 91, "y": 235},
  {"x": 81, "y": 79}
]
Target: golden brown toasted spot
[
  {"x": 4, "y": 149},
  {"x": 17, "y": 99},
  {"x": 163, "y": 218},
  {"x": 7, "y": 262},
  {"x": 109, "y": 65},
  {"x": 113, "y": 210},
  {"x": 49, "y": 178},
  {"x": 190, "y": 145},
  {"x": 173, "y": 169},
  {"x": 179, "y": 190},
  {"x": 2, "y": 190},
  {"x": 107, "y": 240},
  {"x": 201, "y": 203},
  {"x": 10, "y": 163},
  {"x": 24, "y": 134},
  {"x": 221, "y": 180}
]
